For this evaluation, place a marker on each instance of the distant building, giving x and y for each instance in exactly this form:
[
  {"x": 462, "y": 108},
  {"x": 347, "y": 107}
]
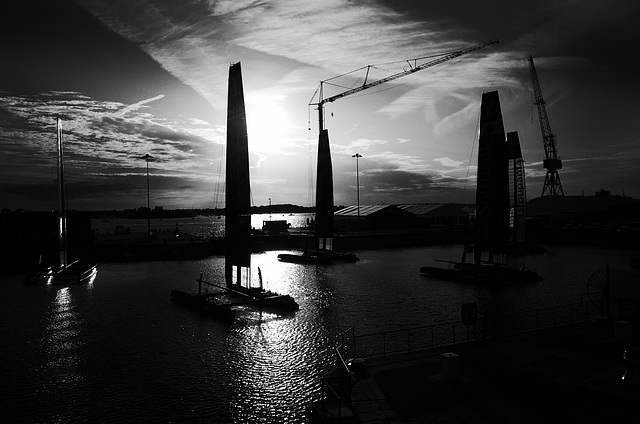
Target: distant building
[
  {"x": 433, "y": 216},
  {"x": 438, "y": 215},
  {"x": 373, "y": 217},
  {"x": 599, "y": 219},
  {"x": 566, "y": 209}
]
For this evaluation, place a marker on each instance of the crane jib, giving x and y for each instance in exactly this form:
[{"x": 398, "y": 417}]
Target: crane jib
[{"x": 411, "y": 70}]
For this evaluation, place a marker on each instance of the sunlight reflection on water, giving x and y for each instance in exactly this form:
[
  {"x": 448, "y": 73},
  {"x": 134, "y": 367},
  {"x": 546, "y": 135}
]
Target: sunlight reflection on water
[{"x": 119, "y": 350}]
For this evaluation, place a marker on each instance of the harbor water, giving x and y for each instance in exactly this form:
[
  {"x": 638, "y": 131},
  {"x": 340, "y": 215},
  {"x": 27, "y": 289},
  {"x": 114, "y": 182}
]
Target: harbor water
[{"x": 118, "y": 350}]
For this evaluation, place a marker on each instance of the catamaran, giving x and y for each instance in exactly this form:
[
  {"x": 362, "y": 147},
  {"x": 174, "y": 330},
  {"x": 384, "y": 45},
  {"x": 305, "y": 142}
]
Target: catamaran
[
  {"x": 492, "y": 209},
  {"x": 324, "y": 252},
  {"x": 65, "y": 271},
  {"x": 238, "y": 278}
]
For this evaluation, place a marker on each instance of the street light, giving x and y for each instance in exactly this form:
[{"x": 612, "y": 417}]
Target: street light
[
  {"x": 147, "y": 157},
  {"x": 358, "y": 156}
]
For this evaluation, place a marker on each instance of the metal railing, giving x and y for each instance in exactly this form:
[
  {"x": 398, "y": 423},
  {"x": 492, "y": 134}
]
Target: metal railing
[
  {"x": 336, "y": 386},
  {"x": 430, "y": 337}
]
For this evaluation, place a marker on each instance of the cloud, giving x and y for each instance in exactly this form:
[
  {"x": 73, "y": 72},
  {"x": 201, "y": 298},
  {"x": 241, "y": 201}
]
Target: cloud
[
  {"x": 449, "y": 162},
  {"x": 135, "y": 106}
]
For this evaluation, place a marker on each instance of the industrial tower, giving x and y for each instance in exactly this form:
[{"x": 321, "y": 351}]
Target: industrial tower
[{"x": 552, "y": 185}]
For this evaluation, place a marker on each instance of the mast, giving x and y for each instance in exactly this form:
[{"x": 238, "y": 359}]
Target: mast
[
  {"x": 62, "y": 206},
  {"x": 237, "y": 192}
]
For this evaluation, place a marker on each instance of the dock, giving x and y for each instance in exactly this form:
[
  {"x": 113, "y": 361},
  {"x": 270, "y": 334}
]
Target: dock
[{"x": 571, "y": 373}]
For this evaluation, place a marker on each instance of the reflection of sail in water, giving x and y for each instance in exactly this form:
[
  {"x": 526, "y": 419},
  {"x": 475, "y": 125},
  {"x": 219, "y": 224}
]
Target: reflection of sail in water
[{"x": 60, "y": 344}]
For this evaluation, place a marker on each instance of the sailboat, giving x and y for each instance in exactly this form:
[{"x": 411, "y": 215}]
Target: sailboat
[
  {"x": 65, "y": 272},
  {"x": 323, "y": 254},
  {"x": 238, "y": 278},
  {"x": 492, "y": 209}
]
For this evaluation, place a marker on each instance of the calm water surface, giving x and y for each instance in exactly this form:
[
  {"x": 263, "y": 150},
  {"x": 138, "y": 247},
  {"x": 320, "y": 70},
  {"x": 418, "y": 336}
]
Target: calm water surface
[{"x": 118, "y": 349}]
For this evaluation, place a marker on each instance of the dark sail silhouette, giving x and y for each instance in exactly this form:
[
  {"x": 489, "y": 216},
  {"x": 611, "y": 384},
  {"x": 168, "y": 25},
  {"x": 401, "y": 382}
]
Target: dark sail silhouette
[
  {"x": 237, "y": 266},
  {"x": 324, "y": 195},
  {"x": 492, "y": 192},
  {"x": 492, "y": 208},
  {"x": 323, "y": 253},
  {"x": 238, "y": 192}
]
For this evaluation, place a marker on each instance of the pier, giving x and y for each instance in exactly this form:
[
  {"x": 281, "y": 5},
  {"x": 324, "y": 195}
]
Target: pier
[{"x": 560, "y": 373}]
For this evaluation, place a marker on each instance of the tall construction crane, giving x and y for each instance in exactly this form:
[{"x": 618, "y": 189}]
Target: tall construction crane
[
  {"x": 412, "y": 68},
  {"x": 552, "y": 185}
]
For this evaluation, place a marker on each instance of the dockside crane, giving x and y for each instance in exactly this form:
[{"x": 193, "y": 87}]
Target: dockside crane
[
  {"x": 413, "y": 67},
  {"x": 552, "y": 185}
]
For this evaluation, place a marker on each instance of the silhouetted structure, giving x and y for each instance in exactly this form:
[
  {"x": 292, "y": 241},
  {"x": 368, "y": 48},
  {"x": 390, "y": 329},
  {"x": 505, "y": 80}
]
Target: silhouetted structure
[{"x": 552, "y": 185}]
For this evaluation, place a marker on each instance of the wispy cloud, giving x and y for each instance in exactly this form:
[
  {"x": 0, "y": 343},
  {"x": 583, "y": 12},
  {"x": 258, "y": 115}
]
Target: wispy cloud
[
  {"x": 135, "y": 106},
  {"x": 449, "y": 162}
]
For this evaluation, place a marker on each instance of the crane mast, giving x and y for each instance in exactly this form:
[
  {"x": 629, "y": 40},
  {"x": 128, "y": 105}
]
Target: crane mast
[
  {"x": 552, "y": 185},
  {"x": 412, "y": 68}
]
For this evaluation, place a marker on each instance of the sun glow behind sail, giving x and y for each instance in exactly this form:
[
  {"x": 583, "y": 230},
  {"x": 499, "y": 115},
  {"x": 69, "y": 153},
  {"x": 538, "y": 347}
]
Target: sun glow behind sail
[{"x": 267, "y": 122}]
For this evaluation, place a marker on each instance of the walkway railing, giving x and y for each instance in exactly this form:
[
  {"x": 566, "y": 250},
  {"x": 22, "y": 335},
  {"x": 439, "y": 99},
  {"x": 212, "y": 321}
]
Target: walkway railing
[
  {"x": 451, "y": 333},
  {"x": 336, "y": 387}
]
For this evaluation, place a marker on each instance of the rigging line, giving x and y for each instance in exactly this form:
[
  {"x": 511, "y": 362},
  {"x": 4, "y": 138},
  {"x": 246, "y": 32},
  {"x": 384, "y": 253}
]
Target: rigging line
[
  {"x": 414, "y": 59},
  {"x": 402, "y": 84},
  {"x": 347, "y": 73},
  {"x": 466, "y": 180},
  {"x": 339, "y": 86},
  {"x": 310, "y": 169},
  {"x": 314, "y": 95},
  {"x": 389, "y": 63},
  {"x": 218, "y": 194}
]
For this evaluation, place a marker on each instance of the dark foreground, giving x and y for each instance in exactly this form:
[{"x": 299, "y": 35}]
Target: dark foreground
[{"x": 566, "y": 374}]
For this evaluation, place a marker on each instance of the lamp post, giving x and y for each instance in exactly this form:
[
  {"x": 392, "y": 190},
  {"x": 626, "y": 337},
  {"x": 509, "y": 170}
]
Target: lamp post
[
  {"x": 147, "y": 157},
  {"x": 357, "y": 156}
]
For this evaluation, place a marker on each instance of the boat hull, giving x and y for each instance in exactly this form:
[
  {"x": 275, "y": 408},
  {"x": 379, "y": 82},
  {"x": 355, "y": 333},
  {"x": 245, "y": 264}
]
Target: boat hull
[
  {"x": 487, "y": 274},
  {"x": 75, "y": 273},
  {"x": 304, "y": 259},
  {"x": 318, "y": 258},
  {"x": 265, "y": 298},
  {"x": 205, "y": 305}
]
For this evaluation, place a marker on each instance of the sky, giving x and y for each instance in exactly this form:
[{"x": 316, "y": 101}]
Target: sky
[{"x": 130, "y": 78}]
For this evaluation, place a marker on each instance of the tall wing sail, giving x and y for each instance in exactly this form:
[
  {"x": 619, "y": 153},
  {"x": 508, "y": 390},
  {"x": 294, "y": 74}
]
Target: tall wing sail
[
  {"x": 237, "y": 192},
  {"x": 324, "y": 195},
  {"x": 492, "y": 192}
]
